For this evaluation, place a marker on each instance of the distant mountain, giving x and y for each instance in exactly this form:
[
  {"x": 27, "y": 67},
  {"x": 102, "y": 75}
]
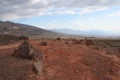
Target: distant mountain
[
  {"x": 95, "y": 33},
  {"x": 68, "y": 31},
  {"x": 72, "y": 32},
  {"x": 18, "y": 29},
  {"x": 26, "y": 30}
]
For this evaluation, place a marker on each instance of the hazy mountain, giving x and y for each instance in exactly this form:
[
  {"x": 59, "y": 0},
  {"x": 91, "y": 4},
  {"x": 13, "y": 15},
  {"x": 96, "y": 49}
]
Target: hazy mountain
[
  {"x": 22, "y": 29},
  {"x": 96, "y": 33},
  {"x": 73, "y": 32},
  {"x": 18, "y": 29}
]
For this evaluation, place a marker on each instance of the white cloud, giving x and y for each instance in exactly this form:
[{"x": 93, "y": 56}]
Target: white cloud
[
  {"x": 35, "y": 1},
  {"x": 115, "y": 14},
  {"x": 104, "y": 1},
  {"x": 28, "y": 8},
  {"x": 66, "y": 12},
  {"x": 93, "y": 9}
]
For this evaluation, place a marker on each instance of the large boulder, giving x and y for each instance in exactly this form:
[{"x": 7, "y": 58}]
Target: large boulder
[{"x": 26, "y": 51}]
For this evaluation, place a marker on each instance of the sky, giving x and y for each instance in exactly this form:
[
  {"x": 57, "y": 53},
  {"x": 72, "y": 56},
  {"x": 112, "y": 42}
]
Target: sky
[{"x": 84, "y": 15}]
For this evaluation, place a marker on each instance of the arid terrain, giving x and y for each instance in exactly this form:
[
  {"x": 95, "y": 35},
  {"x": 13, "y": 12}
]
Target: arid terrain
[
  {"x": 64, "y": 59},
  {"x": 59, "y": 39}
]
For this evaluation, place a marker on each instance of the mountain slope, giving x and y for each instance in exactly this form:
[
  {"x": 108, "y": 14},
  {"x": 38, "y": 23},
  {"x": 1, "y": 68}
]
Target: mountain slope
[
  {"x": 70, "y": 31},
  {"x": 22, "y": 29}
]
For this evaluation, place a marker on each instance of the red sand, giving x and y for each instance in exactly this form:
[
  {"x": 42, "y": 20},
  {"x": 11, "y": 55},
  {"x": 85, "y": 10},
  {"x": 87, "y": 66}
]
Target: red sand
[{"x": 67, "y": 62}]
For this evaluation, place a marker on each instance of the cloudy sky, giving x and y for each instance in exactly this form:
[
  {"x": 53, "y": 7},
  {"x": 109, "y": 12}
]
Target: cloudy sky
[{"x": 85, "y": 15}]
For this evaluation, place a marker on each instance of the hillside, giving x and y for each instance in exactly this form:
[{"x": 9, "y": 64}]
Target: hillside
[
  {"x": 26, "y": 30},
  {"x": 6, "y": 39}
]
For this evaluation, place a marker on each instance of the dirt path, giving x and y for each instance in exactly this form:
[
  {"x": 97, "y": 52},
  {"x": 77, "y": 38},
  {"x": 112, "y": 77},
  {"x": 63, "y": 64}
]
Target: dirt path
[{"x": 9, "y": 46}]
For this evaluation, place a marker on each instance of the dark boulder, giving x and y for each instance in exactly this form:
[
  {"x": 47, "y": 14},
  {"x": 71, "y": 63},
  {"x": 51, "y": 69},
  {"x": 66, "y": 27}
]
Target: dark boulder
[
  {"x": 58, "y": 38},
  {"x": 88, "y": 42},
  {"x": 23, "y": 38},
  {"x": 74, "y": 41},
  {"x": 43, "y": 43},
  {"x": 26, "y": 51}
]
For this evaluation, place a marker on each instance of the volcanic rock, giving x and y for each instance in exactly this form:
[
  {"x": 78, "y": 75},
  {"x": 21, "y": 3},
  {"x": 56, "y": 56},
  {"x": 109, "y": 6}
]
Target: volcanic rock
[
  {"x": 87, "y": 42},
  {"x": 74, "y": 41},
  {"x": 58, "y": 38},
  {"x": 23, "y": 38},
  {"x": 43, "y": 43},
  {"x": 26, "y": 51}
]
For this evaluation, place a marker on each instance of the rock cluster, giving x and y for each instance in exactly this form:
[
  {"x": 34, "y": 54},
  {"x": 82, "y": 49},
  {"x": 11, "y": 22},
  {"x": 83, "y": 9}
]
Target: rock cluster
[
  {"x": 88, "y": 42},
  {"x": 26, "y": 51},
  {"x": 83, "y": 41}
]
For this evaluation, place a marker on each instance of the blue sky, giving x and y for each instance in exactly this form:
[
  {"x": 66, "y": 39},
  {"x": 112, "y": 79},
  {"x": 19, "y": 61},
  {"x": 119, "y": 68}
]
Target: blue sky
[{"x": 84, "y": 15}]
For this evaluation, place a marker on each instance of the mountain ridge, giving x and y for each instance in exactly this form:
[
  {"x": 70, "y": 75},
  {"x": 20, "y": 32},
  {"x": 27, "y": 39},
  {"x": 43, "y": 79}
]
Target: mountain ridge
[
  {"x": 19, "y": 29},
  {"x": 89, "y": 33}
]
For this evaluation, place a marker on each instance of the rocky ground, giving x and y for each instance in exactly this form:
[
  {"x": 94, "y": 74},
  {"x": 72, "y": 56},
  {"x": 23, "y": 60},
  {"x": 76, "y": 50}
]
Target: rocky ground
[{"x": 68, "y": 59}]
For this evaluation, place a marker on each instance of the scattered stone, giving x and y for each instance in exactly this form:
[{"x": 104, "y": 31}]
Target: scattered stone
[
  {"x": 23, "y": 38},
  {"x": 37, "y": 68},
  {"x": 95, "y": 47},
  {"x": 26, "y": 51},
  {"x": 66, "y": 42},
  {"x": 74, "y": 41},
  {"x": 88, "y": 42},
  {"x": 43, "y": 43},
  {"x": 58, "y": 38},
  {"x": 85, "y": 41}
]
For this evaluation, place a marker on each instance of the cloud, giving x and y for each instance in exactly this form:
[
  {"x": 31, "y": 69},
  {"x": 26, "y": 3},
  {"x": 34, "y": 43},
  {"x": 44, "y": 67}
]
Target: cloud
[
  {"x": 93, "y": 9},
  {"x": 115, "y": 14},
  {"x": 104, "y": 1},
  {"x": 15, "y": 9}
]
